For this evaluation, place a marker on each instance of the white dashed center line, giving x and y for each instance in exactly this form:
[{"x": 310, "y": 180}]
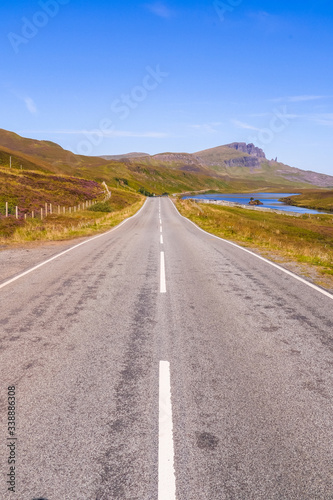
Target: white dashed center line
[
  {"x": 166, "y": 471},
  {"x": 161, "y": 239},
  {"x": 162, "y": 275}
]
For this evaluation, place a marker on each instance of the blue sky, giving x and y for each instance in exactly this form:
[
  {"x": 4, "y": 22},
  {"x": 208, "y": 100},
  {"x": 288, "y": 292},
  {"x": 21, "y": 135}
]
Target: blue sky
[{"x": 113, "y": 77}]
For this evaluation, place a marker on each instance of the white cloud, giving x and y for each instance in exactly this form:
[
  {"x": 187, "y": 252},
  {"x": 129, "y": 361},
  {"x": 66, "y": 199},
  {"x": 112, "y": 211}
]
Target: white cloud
[
  {"x": 299, "y": 98},
  {"x": 125, "y": 133},
  {"x": 317, "y": 118},
  {"x": 243, "y": 125},
  {"x": 100, "y": 133},
  {"x": 321, "y": 118},
  {"x": 31, "y": 106},
  {"x": 210, "y": 128},
  {"x": 28, "y": 101},
  {"x": 159, "y": 9}
]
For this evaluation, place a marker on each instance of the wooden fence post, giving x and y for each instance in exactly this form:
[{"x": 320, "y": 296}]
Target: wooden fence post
[
  {"x": 6, "y": 208},
  {"x": 41, "y": 214},
  {"x": 45, "y": 209},
  {"x": 16, "y": 212},
  {"x": 51, "y": 208},
  {"x": 58, "y": 209},
  {"x": 32, "y": 214}
]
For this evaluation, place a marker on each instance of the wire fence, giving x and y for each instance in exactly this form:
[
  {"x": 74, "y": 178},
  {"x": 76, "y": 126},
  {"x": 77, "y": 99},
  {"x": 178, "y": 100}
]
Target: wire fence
[{"x": 51, "y": 209}]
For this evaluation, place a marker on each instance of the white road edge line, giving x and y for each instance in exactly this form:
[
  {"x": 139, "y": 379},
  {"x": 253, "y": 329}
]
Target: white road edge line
[
  {"x": 166, "y": 470},
  {"x": 162, "y": 275},
  {"x": 311, "y": 285},
  {"x": 70, "y": 249}
]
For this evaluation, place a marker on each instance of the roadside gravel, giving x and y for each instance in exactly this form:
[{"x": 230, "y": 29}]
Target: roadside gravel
[{"x": 15, "y": 260}]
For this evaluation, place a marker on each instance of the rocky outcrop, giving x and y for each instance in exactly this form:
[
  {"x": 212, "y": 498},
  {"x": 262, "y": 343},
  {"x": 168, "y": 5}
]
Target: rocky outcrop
[
  {"x": 249, "y": 149},
  {"x": 244, "y": 161},
  {"x": 183, "y": 161}
]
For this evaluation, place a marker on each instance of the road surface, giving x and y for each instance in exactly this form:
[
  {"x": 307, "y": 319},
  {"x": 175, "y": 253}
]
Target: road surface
[{"x": 157, "y": 362}]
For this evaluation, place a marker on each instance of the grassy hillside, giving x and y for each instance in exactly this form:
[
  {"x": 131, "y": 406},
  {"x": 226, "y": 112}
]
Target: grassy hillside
[
  {"x": 99, "y": 217},
  {"x": 307, "y": 239},
  {"x": 318, "y": 200},
  {"x": 30, "y": 190},
  {"x": 167, "y": 172},
  {"x": 44, "y": 154},
  {"x": 219, "y": 155},
  {"x": 46, "y": 157}
]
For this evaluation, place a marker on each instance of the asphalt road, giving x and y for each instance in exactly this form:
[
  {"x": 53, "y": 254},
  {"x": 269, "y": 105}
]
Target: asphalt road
[{"x": 96, "y": 340}]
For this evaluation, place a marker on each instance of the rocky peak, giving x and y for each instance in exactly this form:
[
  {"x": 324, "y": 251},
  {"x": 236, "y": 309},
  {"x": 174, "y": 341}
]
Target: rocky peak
[{"x": 250, "y": 149}]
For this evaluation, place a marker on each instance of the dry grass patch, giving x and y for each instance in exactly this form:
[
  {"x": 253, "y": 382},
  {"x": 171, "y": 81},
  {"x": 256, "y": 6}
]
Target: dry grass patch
[
  {"x": 83, "y": 223},
  {"x": 304, "y": 239}
]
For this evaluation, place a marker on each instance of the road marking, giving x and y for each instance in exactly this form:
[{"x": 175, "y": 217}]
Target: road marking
[
  {"x": 70, "y": 249},
  {"x": 161, "y": 239},
  {"x": 311, "y": 285},
  {"x": 162, "y": 275},
  {"x": 166, "y": 470},
  {"x": 160, "y": 229},
  {"x": 160, "y": 221}
]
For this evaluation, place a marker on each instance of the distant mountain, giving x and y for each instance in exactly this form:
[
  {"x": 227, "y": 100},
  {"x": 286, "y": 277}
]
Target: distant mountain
[
  {"x": 239, "y": 160},
  {"x": 125, "y": 156},
  {"x": 48, "y": 157},
  {"x": 232, "y": 167},
  {"x": 253, "y": 158}
]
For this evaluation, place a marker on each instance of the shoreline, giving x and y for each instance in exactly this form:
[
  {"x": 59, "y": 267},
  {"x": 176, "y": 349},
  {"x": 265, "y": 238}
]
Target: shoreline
[
  {"x": 248, "y": 207},
  {"x": 293, "y": 203}
]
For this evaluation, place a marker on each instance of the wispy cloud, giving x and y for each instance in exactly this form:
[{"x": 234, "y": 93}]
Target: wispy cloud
[
  {"x": 244, "y": 125},
  {"x": 31, "y": 106},
  {"x": 210, "y": 128},
  {"x": 100, "y": 133},
  {"x": 159, "y": 9},
  {"x": 28, "y": 101},
  {"x": 321, "y": 118},
  {"x": 317, "y": 118},
  {"x": 299, "y": 98}
]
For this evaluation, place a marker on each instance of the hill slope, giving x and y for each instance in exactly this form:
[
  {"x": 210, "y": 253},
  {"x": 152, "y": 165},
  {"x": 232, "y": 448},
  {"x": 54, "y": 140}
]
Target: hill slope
[
  {"x": 48, "y": 157},
  {"x": 236, "y": 166},
  {"x": 31, "y": 190},
  {"x": 254, "y": 159}
]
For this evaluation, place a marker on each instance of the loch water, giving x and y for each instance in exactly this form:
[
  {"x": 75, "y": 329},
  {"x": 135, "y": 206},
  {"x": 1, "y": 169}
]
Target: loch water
[{"x": 269, "y": 200}]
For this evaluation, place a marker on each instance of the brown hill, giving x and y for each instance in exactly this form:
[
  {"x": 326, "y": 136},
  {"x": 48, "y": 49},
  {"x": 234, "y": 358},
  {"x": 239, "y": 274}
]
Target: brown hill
[{"x": 236, "y": 166}]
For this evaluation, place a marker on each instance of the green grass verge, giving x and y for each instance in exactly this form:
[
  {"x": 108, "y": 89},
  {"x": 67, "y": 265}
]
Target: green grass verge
[
  {"x": 317, "y": 200},
  {"x": 305, "y": 239},
  {"x": 78, "y": 224}
]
